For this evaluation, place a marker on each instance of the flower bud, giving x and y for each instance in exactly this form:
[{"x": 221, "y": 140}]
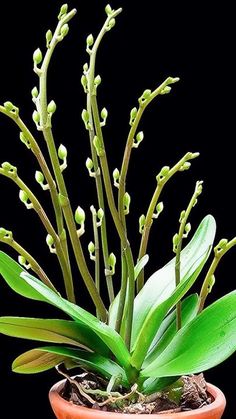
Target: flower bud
[
  {"x": 79, "y": 215},
  {"x": 187, "y": 228},
  {"x": 36, "y": 117},
  {"x": 39, "y": 177},
  {"x": 84, "y": 83},
  {"x": 100, "y": 214},
  {"x": 172, "y": 80},
  {"x": 111, "y": 24},
  {"x": 25, "y": 140},
  {"x": 62, "y": 152},
  {"x": 3, "y": 232},
  {"x": 52, "y": 107},
  {"x": 89, "y": 40},
  {"x": 116, "y": 174},
  {"x": 140, "y": 136},
  {"x": 89, "y": 163},
  {"x": 165, "y": 90},
  {"x": 64, "y": 30},
  {"x": 223, "y": 243},
  {"x": 112, "y": 262},
  {"x": 182, "y": 215},
  {"x": 133, "y": 114},
  {"x": 49, "y": 240},
  {"x": 142, "y": 220},
  {"x": 21, "y": 260},
  {"x": 175, "y": 242},
  {"x": 23, "y": 196},
  {"x": 160, "y": 207},
  {"x": 34, "y": 92},
  {"x": 9, "y": 106},
  {"x": 104, "y": 113},
  {"x": 37, "y": 56},
  {"x": 48, "y": 38},
  {"x": 126, "y": 202},
  {"x": 185, "y": 166},
  {"x": 85, "y": 67},
  {"x": 108, "y": 9},
  {"x": 91, "y": 247},
  {"x": 63, "y": 11},
  {"x": 85, "y": 117},
  {"x": 97, "y": 80},
  {"x": 97, "y": 142}
]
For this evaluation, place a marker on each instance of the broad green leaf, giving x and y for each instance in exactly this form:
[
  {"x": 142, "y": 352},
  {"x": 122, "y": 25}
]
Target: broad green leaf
[
  {"x": 11, "y": 270},
  {"x": 27, "y": 362},
  {"x": 35, "y": 361},
  {"x": 53, "y": 330},
  {"x": 158, "y": 312},
  {"x": 114, "y": 305},
  {"x": 109, "y": 336},
  {"x": 162, "y": 283},
  {"x": 152, "y": 385},
  {"x": 205, "y": 342},
  {"x": 167, "y": 330}
]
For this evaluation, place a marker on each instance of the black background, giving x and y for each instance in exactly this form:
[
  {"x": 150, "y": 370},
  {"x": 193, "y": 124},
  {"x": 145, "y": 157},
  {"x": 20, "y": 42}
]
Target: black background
[{"x": 151, "y": 41}]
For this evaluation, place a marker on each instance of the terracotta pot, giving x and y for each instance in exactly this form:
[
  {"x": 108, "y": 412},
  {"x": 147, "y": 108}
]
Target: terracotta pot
[{"x": 66, "y": 410}]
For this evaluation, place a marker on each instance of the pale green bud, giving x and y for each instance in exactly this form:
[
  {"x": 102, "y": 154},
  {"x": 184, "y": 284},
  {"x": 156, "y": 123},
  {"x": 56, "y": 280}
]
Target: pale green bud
[
  {"x": 133, "y": 114},
  {"x": 126, "y": 202},
  {"x": 89, "y": 40},
  {"x": 100, "y": 214},
  {"x": 108, "y": 9},
  {"x": 112, "y": 261},
  {"x": 185, "y": 166},
  {"x": 182, "y": 215},
  {"x": 36, "y": 117},
  {"x": 21, "y": 260},
  {"x": 187, "y": 228},
  {"x": 146, "y": 94},
  {"x": 25, "y": 140},
  {"x": 97, "y": 142},
  {"x": 140, "y": 136},
  {"x": 62, "y": 152},
  {"x": 175, "y": 242},
  {"x": 85, "y": 117},
  {"x": 9, "y": 106},
  {"x": 84, "y": 82},
  {"x": 85, "y": 67},
  {"x": 165, "y": 90},
  {"x": 163, "y": 173},
  {"x": 116, "y": 174},
  {"x": 97, "y": 80},
  {"x": 91, "y": 247},
  {"x": 89, "y": 163},
  {"x": 37, "y": 56},
  {"x": 160, "y": 207},
  {"x": 49, "y": 240},
  {"x": 142, "y": 220},
  {"x": 223, "y": 243},
  {"x": 172, "y": 80},
  {"x": 23, "y": 196},
  {"x": 52, "y": 107},
  {"x": 48, "y": 38},
  {"x": 63, "y": 11},
  {"x": 64, "y": 30},
  {"x": 111, "y": 24},
  {"x": 39, "y": 177},
  {"x": 3, "y": 232},
  {"x": 79, "y": 215},
  {"x": 34, "y": 92},
  {"x": 104, "y": 113}
]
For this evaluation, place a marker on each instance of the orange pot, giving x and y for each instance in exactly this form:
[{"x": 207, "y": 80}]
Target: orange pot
[{"x": 67, "y": 410}]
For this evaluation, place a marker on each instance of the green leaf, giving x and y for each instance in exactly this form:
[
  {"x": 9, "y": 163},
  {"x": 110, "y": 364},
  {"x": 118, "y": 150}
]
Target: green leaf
[
  {"x": 109, "y": 336},
  {"x": 157, "y": 313},
  {"x": 32, "y": 361},
  {"x": 152, "y": 385},
  {"x": 11, "y": 271},
  {"x": 162, "y": 283},
  {"x": 167, "y": 330},
  {"x": 113, "y": 309},
  {"x": 53, "y": 330},
  {"x": 205, "y": 342}
]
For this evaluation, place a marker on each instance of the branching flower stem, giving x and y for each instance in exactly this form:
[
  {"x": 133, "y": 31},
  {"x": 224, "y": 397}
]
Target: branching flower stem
[
  {"x": 178, "y": 246},
  {"x": 106, "y": 177},
  {"x": 47, "y": 224},
  {"x": 9, "y": 240},
  {"x": 63, "y": 196},
  {"x": 96, "y": 249},
  {"x": 220, "y": 250},
  {"x": 99, "y": 188},
  {"x": 151, "y": 209}
]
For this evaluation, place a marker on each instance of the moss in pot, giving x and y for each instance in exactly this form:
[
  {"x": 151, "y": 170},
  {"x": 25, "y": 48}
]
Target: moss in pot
[{"x": 155, "y": 336}]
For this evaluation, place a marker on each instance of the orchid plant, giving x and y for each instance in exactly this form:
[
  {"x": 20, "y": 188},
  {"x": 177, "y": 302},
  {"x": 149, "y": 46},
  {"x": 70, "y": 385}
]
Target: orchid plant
[{"x": 152, "y": 332}]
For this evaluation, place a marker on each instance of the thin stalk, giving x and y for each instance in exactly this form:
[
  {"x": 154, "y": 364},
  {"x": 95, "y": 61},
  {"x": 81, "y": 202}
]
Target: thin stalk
[
  {"x": 107, "y": 180},
  {"x": 47, "y": 224},
  {"x": 178, "y": 246},
  {"x": 9, "y": 240},
  {"x": 151, "y": 209},
  {"x": 97, "y": 250},
  {"x": 123, "y": 289},
  {"x": 99, "y": 188},
  {"x": 220, "y": 250},
  {"x": 129, "y": 144},
  {"x": 67, "y": 211}
]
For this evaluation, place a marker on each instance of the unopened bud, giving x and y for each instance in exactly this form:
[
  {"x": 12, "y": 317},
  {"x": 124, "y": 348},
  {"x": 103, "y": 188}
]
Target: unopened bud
[
  {"x": 64, "y": 30},
  {"x": 112, "y": 261},
  {"x": 62, "y": 152},
  {"x": 49, "y": 240},
  {"x": 25, "y": 140},
  {"x": 89, "y": 163},
  {"x": 21, "y": 260},
  {"x": 52, "y": 107},
  {"x": 104, "y": 113},
  {"x": 34, "y": 92},
  {"x": 187, "y": 228},
  {"x": 165, "y": 90},
  {"x": 63, "y": 11},
  {"x": 37, "y": 56},
  {"x": 100, "y": 214},
  {"x": 84, "y": 82},
  {"x": 91, "y": 247},
  {"x": 185, "y": 166},
  {"x": 126, "y": 202},
  {"x": 36, "y": 117},
  {"x": 108, "y": 9},
  {"x": 48, "y": 38},
  {"x": 3, "y": 232},
  {"x": 111, "y": 24},
  {"x": 23, "y": 196},
  {"x": 133, "y": 114},
  {"x": 89, "y": 40},
  {"x": 160, "y": 207},
  {"x": 97, "y": 80},
  {"x": 10, "y": 107},
  {"x": 39, "y": 177},
  {"x": 175, "y": 242},
  {"x": 142, "y": 220},
  {"x": 79, "y": 215}
]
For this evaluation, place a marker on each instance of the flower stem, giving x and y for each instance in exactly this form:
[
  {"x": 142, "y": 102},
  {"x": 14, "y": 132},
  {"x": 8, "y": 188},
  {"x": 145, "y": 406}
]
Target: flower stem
[{"x": 97, "y": 250}]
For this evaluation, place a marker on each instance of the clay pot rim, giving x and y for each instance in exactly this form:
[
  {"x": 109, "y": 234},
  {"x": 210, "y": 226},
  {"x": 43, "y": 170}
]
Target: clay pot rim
[{"x": 215, "y": 392}]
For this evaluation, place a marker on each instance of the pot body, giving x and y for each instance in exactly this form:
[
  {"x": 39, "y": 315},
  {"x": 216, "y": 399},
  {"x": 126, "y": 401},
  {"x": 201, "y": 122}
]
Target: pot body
[{"x": 67, "y": 410}]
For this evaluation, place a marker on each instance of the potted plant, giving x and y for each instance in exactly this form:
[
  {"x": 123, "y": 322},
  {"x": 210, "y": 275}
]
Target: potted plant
[{"x": 145, "y": 350}]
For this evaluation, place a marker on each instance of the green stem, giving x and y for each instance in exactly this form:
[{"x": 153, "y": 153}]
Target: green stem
[
  {"x": 47, "y": 224},
  {"x": 8, "y": 239},
  {"x": 129, "y": 145},
  {"x": 99, "y": 188},
  {"x": 123, "y": 289},
  {"x": 97, "y": 253},
  {"x": 151, "y": 209},
  {"x": 183, "y": 220},
  {"x": 67, "y": 211},
  {"x": 207, "y": 283}
]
